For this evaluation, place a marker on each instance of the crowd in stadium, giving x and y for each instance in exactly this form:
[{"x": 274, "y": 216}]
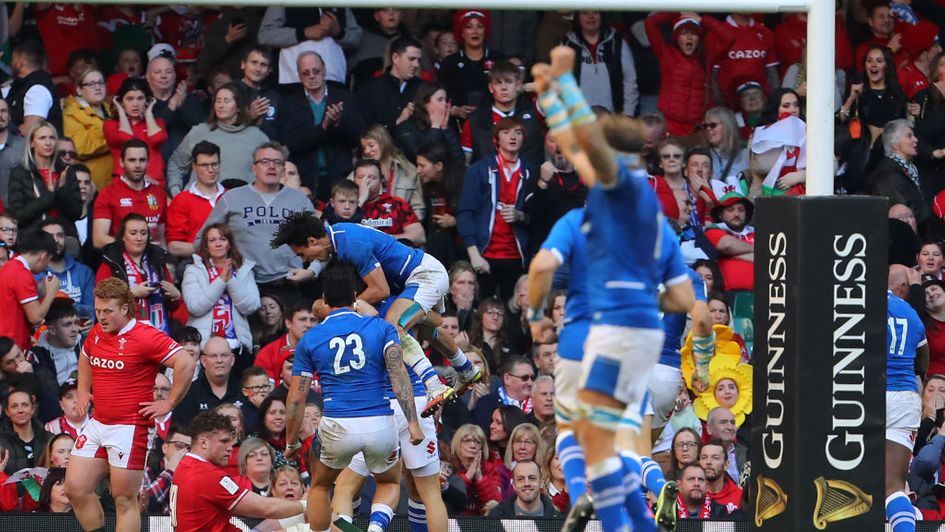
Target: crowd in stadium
[{"x": 163, "y": 145}]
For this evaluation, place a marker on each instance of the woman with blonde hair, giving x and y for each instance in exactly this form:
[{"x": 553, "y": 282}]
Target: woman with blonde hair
[
  {"x": 553, "y": 483},
  {"x": 525, "y": 443},
  {"x": 729, "y": 155},
  {"x": 83, "y": 119},
  {"x": 398, "y": 175},
  {"x": 471, "y": 462}
]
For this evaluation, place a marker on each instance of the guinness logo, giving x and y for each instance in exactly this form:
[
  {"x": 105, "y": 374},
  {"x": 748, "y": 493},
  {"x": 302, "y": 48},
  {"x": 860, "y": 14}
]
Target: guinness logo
[
  {"x": 770, "y": 501},
  {"x": 838, "y": 500}
]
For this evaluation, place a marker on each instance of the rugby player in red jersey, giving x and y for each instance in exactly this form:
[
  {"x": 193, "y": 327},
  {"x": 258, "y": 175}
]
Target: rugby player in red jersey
[{"x": 119, "y": 360}]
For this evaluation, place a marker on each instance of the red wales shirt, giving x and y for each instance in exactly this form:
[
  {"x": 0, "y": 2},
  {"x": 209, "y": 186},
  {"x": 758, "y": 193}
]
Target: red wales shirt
[
  {"x": 17, "y": 288},
  {"x": 202, "y": 497}
]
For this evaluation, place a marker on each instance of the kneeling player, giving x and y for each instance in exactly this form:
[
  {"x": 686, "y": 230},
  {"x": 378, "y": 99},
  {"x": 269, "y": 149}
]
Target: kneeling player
[{"x": 354, "y": 357}]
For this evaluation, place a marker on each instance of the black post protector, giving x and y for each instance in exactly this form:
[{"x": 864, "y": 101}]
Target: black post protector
[{"x": 817, "y": 450}]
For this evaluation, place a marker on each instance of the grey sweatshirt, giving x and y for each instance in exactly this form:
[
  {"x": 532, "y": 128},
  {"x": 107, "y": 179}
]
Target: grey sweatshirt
[
  {"x": 253, "y": 217},
  {"x": 236, "y": 143}
]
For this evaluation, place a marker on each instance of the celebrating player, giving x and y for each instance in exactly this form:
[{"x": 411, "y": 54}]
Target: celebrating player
[
  {"x": 354, "y": 356},
  {"x": 387, "y": 266},
  {"x": 624, "y": 240},
  {"x": 118, "y": 364},
  {"x": 203, "y": 497}
]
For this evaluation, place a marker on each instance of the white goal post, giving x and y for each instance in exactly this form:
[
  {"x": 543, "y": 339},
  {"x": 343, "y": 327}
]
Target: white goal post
[{"x": 820, "y": 49}]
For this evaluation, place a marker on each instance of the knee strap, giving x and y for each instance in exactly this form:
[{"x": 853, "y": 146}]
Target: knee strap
[
  {"x": 409, "y": 314},
  {"x": 603, "y": 417}
]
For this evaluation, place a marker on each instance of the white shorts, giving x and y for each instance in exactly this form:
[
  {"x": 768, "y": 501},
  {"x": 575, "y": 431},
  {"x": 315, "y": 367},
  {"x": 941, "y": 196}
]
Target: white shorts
[
  {"x": 617, "y": 361},
  {"x": 665, "y": 383},
  {"x": 423, "y": 460},
  {"x": 375, "y": 436},
  {"x": 567, "y": 382},
  {"x": 124, "y": 446},
  {"x": 903, "y": 415},
  {"x": 427, "y": 285}
]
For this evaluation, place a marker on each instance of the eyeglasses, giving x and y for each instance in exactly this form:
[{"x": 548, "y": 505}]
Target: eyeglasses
[
  {"x": 673, "y": 156},
  {"x": 270, "y": 162},
  {"x": 710, "y": 125},
  {"x": 310, "y": 72},
  {"x": 686, "y": 445},
  {"x": 526, "y": 442},
  {"x": 100, "y": 83},
  {"x": 494, "y": 312},
  {"x": 208, "y": 166},
  {"x": 8, "y": 229},
  {"x": 260, "y": 388},
  {"x": 179, "y": 444},
  {"x": 528, "y": 377}
]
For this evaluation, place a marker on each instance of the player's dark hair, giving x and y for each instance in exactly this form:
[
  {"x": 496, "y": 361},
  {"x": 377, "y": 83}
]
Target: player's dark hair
[
  {"x": 187, "y": 334},
  {"x": 339, "y": 287},
  {"x": 511, "y": 416},
  {"x": 505, "y": 70},
  {"x": 36, "y": 241},
  {"x": 204, "y": 147},
  {"x": 508, "y": 366},
  {"x": 60, "y": 308},
  {"x": 133, "y": 143},
  {"x": 134, "y": 84},
  {"x": 54, "y": 220},
  {"x": 208, "y": 422},
  {"x": 297, "y": 228}
]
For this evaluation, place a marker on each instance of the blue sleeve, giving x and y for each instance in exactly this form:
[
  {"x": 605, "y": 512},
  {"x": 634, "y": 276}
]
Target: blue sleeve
[
  {"x": 302, "y": 364},
  {"x": 929, "y": 459},
  {"x": 87, "y": 303},
  {"x": 674, "y": 267},
  {"x": 469, "y": 204},
  {"x": 361, "y": 256},
  {"x": 560, "y": 241},
  {"x": 390, "y": 334}
]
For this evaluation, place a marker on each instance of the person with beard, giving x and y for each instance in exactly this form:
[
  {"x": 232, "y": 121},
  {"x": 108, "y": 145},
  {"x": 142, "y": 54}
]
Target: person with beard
[
  {"x": 75, "y": 279},
  {"x": 557, "y": 190},
  {"x": 731, "y": 235},
  {"x": 694, "y": 501},
  {"x": 719, "y": 486},
  {"x": 528, "y": 500}
]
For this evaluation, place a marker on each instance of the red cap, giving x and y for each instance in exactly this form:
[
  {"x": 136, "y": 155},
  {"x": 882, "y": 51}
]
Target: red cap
[
  {"x": 686, "y": 23},
  {"x": 459, "y": 20},
  {"x": 919, "y": 38}
]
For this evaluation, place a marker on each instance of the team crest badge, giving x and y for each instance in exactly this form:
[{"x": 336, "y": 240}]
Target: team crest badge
[
  {"x": 152, "y": 202},
  {"x": 79, "y": 443}
]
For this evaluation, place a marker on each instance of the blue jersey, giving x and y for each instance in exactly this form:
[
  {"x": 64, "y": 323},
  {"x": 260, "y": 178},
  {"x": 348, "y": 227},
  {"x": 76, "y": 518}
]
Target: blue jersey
[
  {"x": 904, "y": 334},
  {"x": 566, "y": 242},
  {"x": 346, "y": 350},
  {"x": 675, "y": 324},
  {"x": 624, "y": 235},
  {"x": 368, "y": 248}
]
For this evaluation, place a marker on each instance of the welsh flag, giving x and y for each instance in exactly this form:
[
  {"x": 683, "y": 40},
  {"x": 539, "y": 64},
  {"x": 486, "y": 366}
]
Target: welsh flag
[{"x": 789, "y": 137}]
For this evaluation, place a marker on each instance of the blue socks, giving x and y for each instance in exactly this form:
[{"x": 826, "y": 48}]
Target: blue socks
[
  {"x": 607, "y": 487},
  {"x": 653, "y": 479},
  {"x": 900, "y": 513},
  {"x": 571, "y": 457},
  {"x": 637, "y": 508},
  {"x": 381, "y": 514},
  {"x": 417, "y": 515}
]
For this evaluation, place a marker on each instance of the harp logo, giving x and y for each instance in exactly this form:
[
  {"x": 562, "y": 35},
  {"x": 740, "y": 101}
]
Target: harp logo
[
  {"x": 770, "y": 501},
  {"x": 838, "y": 500}
]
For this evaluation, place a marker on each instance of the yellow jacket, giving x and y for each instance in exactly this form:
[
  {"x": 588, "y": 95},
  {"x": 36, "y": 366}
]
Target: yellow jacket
[{"x": 84, "y": 127}]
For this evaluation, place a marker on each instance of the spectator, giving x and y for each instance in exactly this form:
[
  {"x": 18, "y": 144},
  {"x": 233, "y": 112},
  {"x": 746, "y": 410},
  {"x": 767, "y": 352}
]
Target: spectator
[
  {"x": 720, "y": 425},
  {"x": 671, "y": 152},
  {"x": 720, "y": 487},
  {"x": 732, "y": 236},
  {"x": 934, "y": 318},
  {"x": 543, "y": 401},
  {"x": 503, "y": 421},
  {"x": 272, "y": 427},
  {"x": 83, "y": 224},
  {"x": 487, "y": 333},
  {"x": 399, "y": 176},
  {"x": 491, "y": 215},
  {"x": 70, "y": 422},
  {"x": 190, "y": 339},
  {"x": 190, "y": 208},
  {"x": 544, "y": 352},
  {"x": 32, "y": 96},
  {"x": 528, "y": 500},
  {"x": 729, "y": 155},
  {"x": 76, "y": 280},
  {"x": 441, "y": 180},
  {"x": 136, "y": 260},
  {"x": 464, "y": 293},
  {"x": 321, "y": 124},
  {"x": 263, "y": 101},
  {"x": 920, "y": 45},
  {"x": 557, "y": 190},
  {"x": 654, "y": 131},
  {"x": 229, "y": 39},
  {"x": 694, "y": 501},
  {"x": 343, "y": 205},
  {"x": 751, "y": 100},
  {"x": 472, "y": 464},
  {"x": 220, "y": 290},
  {"x": 52, "y": 496},
  {"x": 57, "y": 451},
  {"x": 553, "y": 484},
  {"x": 880, "y": 98},
  {"x": 778, "y": 156},
  {"x": 697, "y": 170},
  {"x": 505, "y": 99},
  {"x": 930, "y": 122},
  {"x": 229, "y": 127},
  {"x": 235, "y": 415},
  {"x": 83, "y": 120},
  {"x": 883, "y": 32},
  {"x": 525, "y": 443},
  {"x": 386, "y": 213},
  {"x": 216, "y": 385},
  {"x": 12, "y": 150},
  {"x": 752, "y": 55},
  {"x": 21, "y": 433},
  {"x": 170, "y": 96},
  {"x": 39, "y": 188},
  {"x": 682, "y": 64},
  {"x": 21, "y": 304},
  {"x": 933, "y": 403},
  {"x": 252, "y": 213},
  {"x": 517, "y": 333},
  {"x": 268, "y": 323},
  {"x": 298, "y": 320},
  {"x": 605, "y": 70},
  {"x": 683, "y": 452},
  {"x": 466, "y": 73},
  {"x": 296, "y": 30},
  {"x": 156, "y": 482},
  {"x": 386, "y": 99},
  {"x": 58, "y": 346},
  {"x": 134, "y": 105},
  {"x": 255, "y": 386},
  {"x": 931, "y": 259},
  {"x": 791, "y": 41},
  {"x": 286, "y": 483},
  {"x": 428, "y": 123},
  {"x": 896, "y": 176},
  {"x": 29, "y": 375}
]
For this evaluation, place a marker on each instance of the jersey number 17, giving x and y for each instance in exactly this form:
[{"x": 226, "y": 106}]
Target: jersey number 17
[{"x": 898, "y": 332}]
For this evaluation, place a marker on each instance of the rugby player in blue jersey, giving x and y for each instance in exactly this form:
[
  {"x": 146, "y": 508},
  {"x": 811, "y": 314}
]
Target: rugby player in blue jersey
[
  {"x": 389, "y": 267},
  {"x": 358, "y": 361}
]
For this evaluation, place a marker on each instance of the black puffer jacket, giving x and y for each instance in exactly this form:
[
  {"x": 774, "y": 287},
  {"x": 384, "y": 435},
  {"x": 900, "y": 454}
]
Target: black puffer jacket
[{"x": 30, "y": 201}]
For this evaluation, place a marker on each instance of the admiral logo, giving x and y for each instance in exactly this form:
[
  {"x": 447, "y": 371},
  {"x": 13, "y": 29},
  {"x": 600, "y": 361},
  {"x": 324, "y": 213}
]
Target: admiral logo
[
  {"x": 378, "y": 222},
  {"x": 105, "y": 363}
]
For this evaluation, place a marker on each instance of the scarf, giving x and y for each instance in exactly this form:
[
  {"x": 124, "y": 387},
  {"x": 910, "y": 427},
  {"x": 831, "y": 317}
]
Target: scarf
[
  {"x": 151, "y": 308},
  {"x": 525, "y": 405},
  {"x": 222, "y": 312},
  {"x": 789, "y": 134},
  {"x": 907, "y": 168},
  {"x": 683, "y": 512}
]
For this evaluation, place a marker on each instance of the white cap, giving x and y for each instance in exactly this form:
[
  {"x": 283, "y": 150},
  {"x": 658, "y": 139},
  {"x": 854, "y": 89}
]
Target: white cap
[{"x": 162, "y": 49}]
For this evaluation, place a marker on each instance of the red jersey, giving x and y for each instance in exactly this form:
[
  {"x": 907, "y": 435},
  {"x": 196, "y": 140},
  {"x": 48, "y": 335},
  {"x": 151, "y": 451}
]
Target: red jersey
[
  {"x": 123, "y": 369},
  {"x": 187, "y": 213},
  {"x": 115, "y": 138},
  {"x": 665, "y": 194},
  {"x": 118, "y": 200},
  {"x": 465, "y": 136},
  {"x": 912, "y": 80},
  {"x": 935, "y": 333},
  {"x": 273, "y": 355},
  {"x": 503, "y": 245},
  {"x": 790, "y": 40},
  {"x": 70, "y": 27},
  {"x": 738, "y": 274},
  {"x": 388, "y": 214},
  {"x": 17, "y": 288},
  {"x": 752, "y": 52},
  {"x": 203, "y": 496},
  {"x": 730, "y": 496}
]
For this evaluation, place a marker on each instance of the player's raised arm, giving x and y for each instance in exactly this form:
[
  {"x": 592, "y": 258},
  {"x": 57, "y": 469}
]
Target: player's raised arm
[
  {"x": 294, "y": 409},
  {"x": 540, "y": 275},
  {"x": 400, "y": 381},
  {"x": 253, "y": 505}
]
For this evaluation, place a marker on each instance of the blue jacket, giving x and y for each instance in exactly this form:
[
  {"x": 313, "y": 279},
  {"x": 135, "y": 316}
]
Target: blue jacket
[
  {"x": 479, "y": 201},
  {"x": 78, "y": 282}
]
